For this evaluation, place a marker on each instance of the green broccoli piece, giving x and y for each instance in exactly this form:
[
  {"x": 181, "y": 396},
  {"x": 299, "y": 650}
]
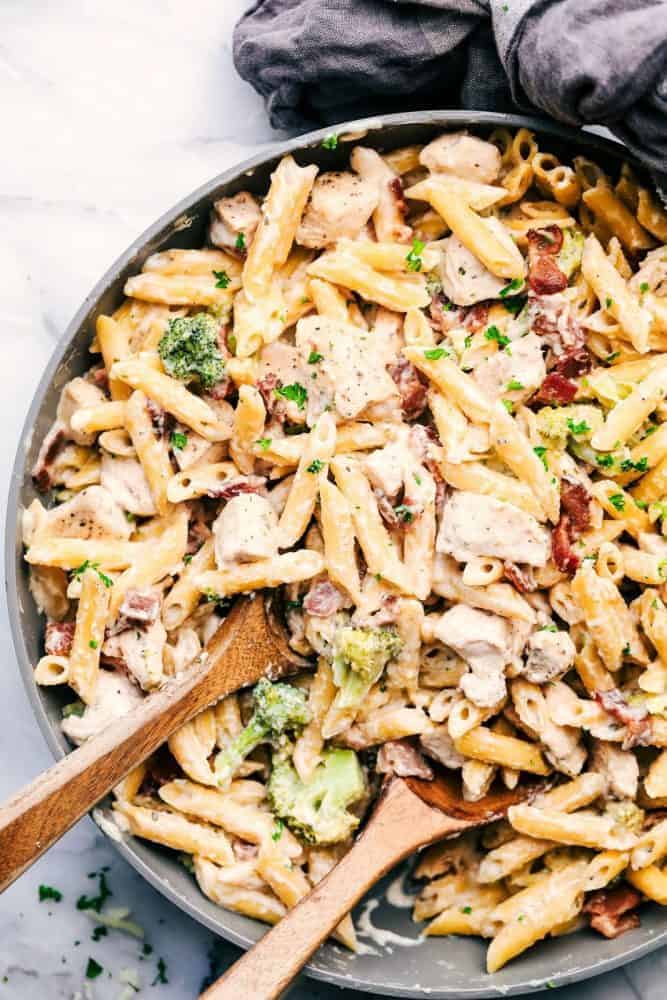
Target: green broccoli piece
[
  {"x": 279, "y": 708},
  {"x": 360, "y": 656},
  {"x": 318, "y": 811},
  {"x": 189, "y": 349},
  {"x": 557, "y": 423},
  {"x": 571, "y": 252}
]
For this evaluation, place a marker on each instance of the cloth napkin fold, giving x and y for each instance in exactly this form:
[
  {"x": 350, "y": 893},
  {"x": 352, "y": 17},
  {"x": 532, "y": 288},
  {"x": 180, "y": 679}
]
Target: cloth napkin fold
[{"x": 318, "y": 62}]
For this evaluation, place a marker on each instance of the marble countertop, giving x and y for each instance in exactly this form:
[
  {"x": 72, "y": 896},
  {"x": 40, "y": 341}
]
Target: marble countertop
[{"x": 111, "y": 113}]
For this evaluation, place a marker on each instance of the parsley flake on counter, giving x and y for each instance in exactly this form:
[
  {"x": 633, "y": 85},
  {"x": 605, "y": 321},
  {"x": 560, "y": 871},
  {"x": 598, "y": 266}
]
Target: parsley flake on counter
[
  {"x": 95, "y": 902},
  {"x": 295, "y": 392},
  {"x": 435, "y": 353},
  {"x": 330, "y": 141},
  {"x": 99, "y": 932},
  {"x": 93, "y": 969},
  {"x": 161, "y": 976},
  {"x": 413, "y": 258},
  {"x": 48, "y": 892},
  {"x": 315, "y": 466},
  {"x": 178, "y": 441},
  {"x": 493, "y": 333},
  {"x": 314, "y": 357},
  {"x": 221, "y": 279}
]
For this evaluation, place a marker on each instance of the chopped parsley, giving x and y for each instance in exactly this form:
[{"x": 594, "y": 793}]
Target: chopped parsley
[
  {"x": 95, "y": 902},
  {"x": 515, "y": 305},
  {"x": 604, "y": 460},
  {"x": 314, "y": 357},
  {"x": 417, "y": 478},
  {"x": 404, "y": 513},
  {"x": 627, "y": 465},
  {"x": 548, "y": 628},
  {"x": 278, "y": 828},
  {"x": 617, "y": 500},
  {"x": 642, "y": 504},
  {"x": 187, "y": 558},
  {"x": 468, "y": 341},
  {"x": 48, "y": 892},
  {"x": 414, "y": 260},
  {"x": 178, "y": 441},
  {"x": 264, "y": 443},
  {"x": 330, "y": 141},
  {"x": 577, "y": 428},
  {"x": 493, "y": 333},
  {"x": 239, "y": 243},
  {"x": 541, "y": 453},
  {"x": 161, "y": 976},
  {"x": 514, "y": 385},
  {"x": 93, "y": 643},
  {"x": 435, "y": 353},
  {"x": 99, "y": 932},
  {"x": 129, "y": 516},
  {"x": 608, "y": 303},
  {"x": 643, "y": 288},
  {"x": 662, "y": 568},
  {"x": 651, "y": 429},
  {"x": 514, "y": 286},
  {"x": 93, "y": 969},
  {"x": 221, "y": 279},
  {"x": 508, "y": 404},
  {"x": 626, "y": 649},
  {"x": 87, "y": 564},
  {"x": 466, "y": 909},
  {"x": 295, "y": 392},
  {"x": 74, "y": 708},
  {"x": 315, "y": 466},
  {"x": 294, "y": 605},
  {"x": 612, "y": 357}
]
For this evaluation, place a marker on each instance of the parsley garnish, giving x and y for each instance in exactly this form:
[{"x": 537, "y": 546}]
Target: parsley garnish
[
  {"x": 221, "y": 279},
  {"x": 240, "y": 242},
  {"x": 314, "y": 357},
  {"x": 662, "y": 568},
  {"x": 468, "y": 341},
  {"x": 129, "y": 516},
  {"x": 514, "y": 385},
  {"x": 161, "y": 976},
  {"x": 626, "y": 649},
  {"x": 278, "y": 828},
  {"x": 74, "y": 708},
  {"x": 435, "y": 353},
  {"x": 541, "y": 453},
  {"x": 493, "y": 333},
  {"x": 93, "y": 643},
  {"x": 87, "y": 564},
  {"x": 187, "y": 558},
  {"x": 404, "y": 513},
  {"x": 508, "y": 404},
  {"x": 608, "y": 303},
  {"x": 295, "y": 392},
  {"x": 264, "y": 443},
  {"x": 315, "y": 466},
  {"x": 294, "y": 605},
  {"x": 99, "y": 932},
  {"x": 95, "y": 902},
  {"x": 643, "y": 288},
  {"x": 48, "y": 892},
  {"x": 514, "y": 286},
  {"x": 178, "y": 441},
  {"x": 330, "y": 141},
  {"x": 548, "y": 628},
  {"x": 466, "y": 909},
  {"x": 413, "y": 258},
  {"x": 515, "y": 305},
  {"x": 417, "y": 479},
  {"x": 612, "y": 357},
  {"x": 627, "y": 465},
  {"x": 604, "y": 460},
  {"x": 617, "y": 500},
  {"x": 577, "y": 428},
  {"x": 642, "y": 504},
  {"x": 93, "y": 969}
]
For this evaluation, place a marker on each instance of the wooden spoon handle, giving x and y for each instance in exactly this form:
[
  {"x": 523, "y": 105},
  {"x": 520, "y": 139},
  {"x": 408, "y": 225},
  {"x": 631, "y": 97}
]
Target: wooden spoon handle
[
  {"x": 35, "y": 818},
  {"x": 401, "y": 823}
]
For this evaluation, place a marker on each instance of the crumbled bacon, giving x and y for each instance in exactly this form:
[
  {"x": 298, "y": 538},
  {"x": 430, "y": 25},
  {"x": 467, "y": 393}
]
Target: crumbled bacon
[
  {"x": 160, "y": 419},
  {"x": 575, "y": 518},
  {"x": 53, "y": 442},
  {"x": 324, "y": 599},
  {"x": 386, "y": 509},
  {"x": 412, "y": 387},
  {"x": 58, "y": 638},
  {"x": 222, "y": 389},
  {"x": 613, "y": 911},
  {"x": 395, "y": 186},
  {"x": 574, "y": 362},
  {"x": 544, "y": 275},
  {"x": 556, "y": 389},
  {"x": 139, "y": 609},
  {"x": 522, "y": 577},
  {"x": 476, "y": 317},
  {"x": 399, "y": 757},
  {"x": 634, "y": 717},
  {"x": 198, "y": 533},
  {"x": 444, "y": 315},
  {"x": 267, "y": 386},
  {"x": 240, "y": 484}
]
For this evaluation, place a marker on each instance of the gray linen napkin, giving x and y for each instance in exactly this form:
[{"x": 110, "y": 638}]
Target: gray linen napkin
[{"x": 582, "y": 62}]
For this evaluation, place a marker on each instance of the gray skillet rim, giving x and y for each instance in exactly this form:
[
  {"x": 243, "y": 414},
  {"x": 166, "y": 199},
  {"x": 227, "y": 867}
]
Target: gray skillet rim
[{"x": 554, "y": 963}]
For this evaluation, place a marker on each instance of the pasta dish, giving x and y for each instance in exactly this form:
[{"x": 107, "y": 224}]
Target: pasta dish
[{"x": 424, "y": 396}]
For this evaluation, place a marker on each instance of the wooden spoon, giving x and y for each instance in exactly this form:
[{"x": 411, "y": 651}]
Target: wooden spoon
[
  {"x": 409, "y": 814},
  {"x": 249, "y": 644}
]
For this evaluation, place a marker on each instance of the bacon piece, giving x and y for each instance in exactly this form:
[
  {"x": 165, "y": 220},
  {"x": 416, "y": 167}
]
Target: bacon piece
[
  {"x": 444, "y": 314},
  {"x": 240, "y": 484},
  {"x": 544, "y": 275},
  {"x": 267, "y": 386},
  {"x": 51, "y": 445},
  {"x": 161, "y": 420},
  {"x": 386, "y": 509},
  {"x": 635, "y": 718},
  {"x": 476, "y": 317},
  {"x": 198, "y": 533},
  {"x": 401, "y": 758},
  {"x": 574, "y": 520},
  {"x": 574, "y": 362},
  {"x": 58, "y": 638},
  {"x": 564, "y": 556},
  {"x": 611, "y": 910},
  {"x": 324, "y": 599},
  {"x": 556, "y": 389},
  {"x": 412, "y": 387},
  {"x": 395, "y": 186},
  {"x": 139, "y": 609},
  {"x": 521, "y": 577}
]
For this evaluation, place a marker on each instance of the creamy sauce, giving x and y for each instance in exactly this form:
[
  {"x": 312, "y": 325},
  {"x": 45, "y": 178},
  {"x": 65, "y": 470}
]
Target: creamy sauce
[
  {"x": 380, "y": 935},
  {"x": 397, "y": 896}
]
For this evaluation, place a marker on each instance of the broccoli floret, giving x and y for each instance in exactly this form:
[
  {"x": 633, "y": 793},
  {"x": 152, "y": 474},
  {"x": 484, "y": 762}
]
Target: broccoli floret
[
  {"x": 318, "y": 811},
  {"x": 279, "y": 708},
  {"x": 189, "y": 349},
  {"x": 360, "y": 656},
  {"x": 580, "y": 421},
  {"x": 571, "y": 252}
]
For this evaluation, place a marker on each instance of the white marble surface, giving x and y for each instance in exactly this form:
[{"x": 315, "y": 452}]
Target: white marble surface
[{"x": 112, "y": 112}]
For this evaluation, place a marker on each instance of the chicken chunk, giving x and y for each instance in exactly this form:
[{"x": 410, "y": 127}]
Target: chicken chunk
[
  {"x": 340, "y": 205},
  {"x": 115, "y": 696},
  {"x": 231, "y": 217},
  {"x": 139, "y": 650},
  {"x": 246, "y": 530},
  {"x": 550, "y": 655},
  {"x": 464, "y": 156},
  {"x": 125, "y": 480},
  {"x": 484, "y": 641},
  {"x": 92, "y": 513},
  {"x": 438, "y": 744},
  {"x": 384, "y": 468},
  {"x": 476, "y": 525},
  {"x": 619, "y": 769},
  {"x": 464, "y": 278},
  {"x": 513, "y": 376},
  {"x": 76, "y": 395}
]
